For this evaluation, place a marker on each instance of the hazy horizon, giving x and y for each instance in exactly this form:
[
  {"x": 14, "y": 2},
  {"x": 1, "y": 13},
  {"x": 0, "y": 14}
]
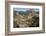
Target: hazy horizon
[{"x": 25, "y": 9}]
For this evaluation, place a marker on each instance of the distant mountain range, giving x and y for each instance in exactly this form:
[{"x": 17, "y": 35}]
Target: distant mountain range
[{"x": 26, "y": 12}]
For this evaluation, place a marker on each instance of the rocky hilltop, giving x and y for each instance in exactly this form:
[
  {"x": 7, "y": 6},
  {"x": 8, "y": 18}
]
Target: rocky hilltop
[{"x": 26, "y": 19}]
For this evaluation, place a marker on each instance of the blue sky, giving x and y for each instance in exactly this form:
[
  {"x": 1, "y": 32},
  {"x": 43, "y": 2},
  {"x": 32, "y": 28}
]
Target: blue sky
[{"x": 24, "y": 9}]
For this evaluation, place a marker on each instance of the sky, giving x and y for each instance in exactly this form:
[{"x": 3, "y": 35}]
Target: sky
[{"x": 24, "y": 9}]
